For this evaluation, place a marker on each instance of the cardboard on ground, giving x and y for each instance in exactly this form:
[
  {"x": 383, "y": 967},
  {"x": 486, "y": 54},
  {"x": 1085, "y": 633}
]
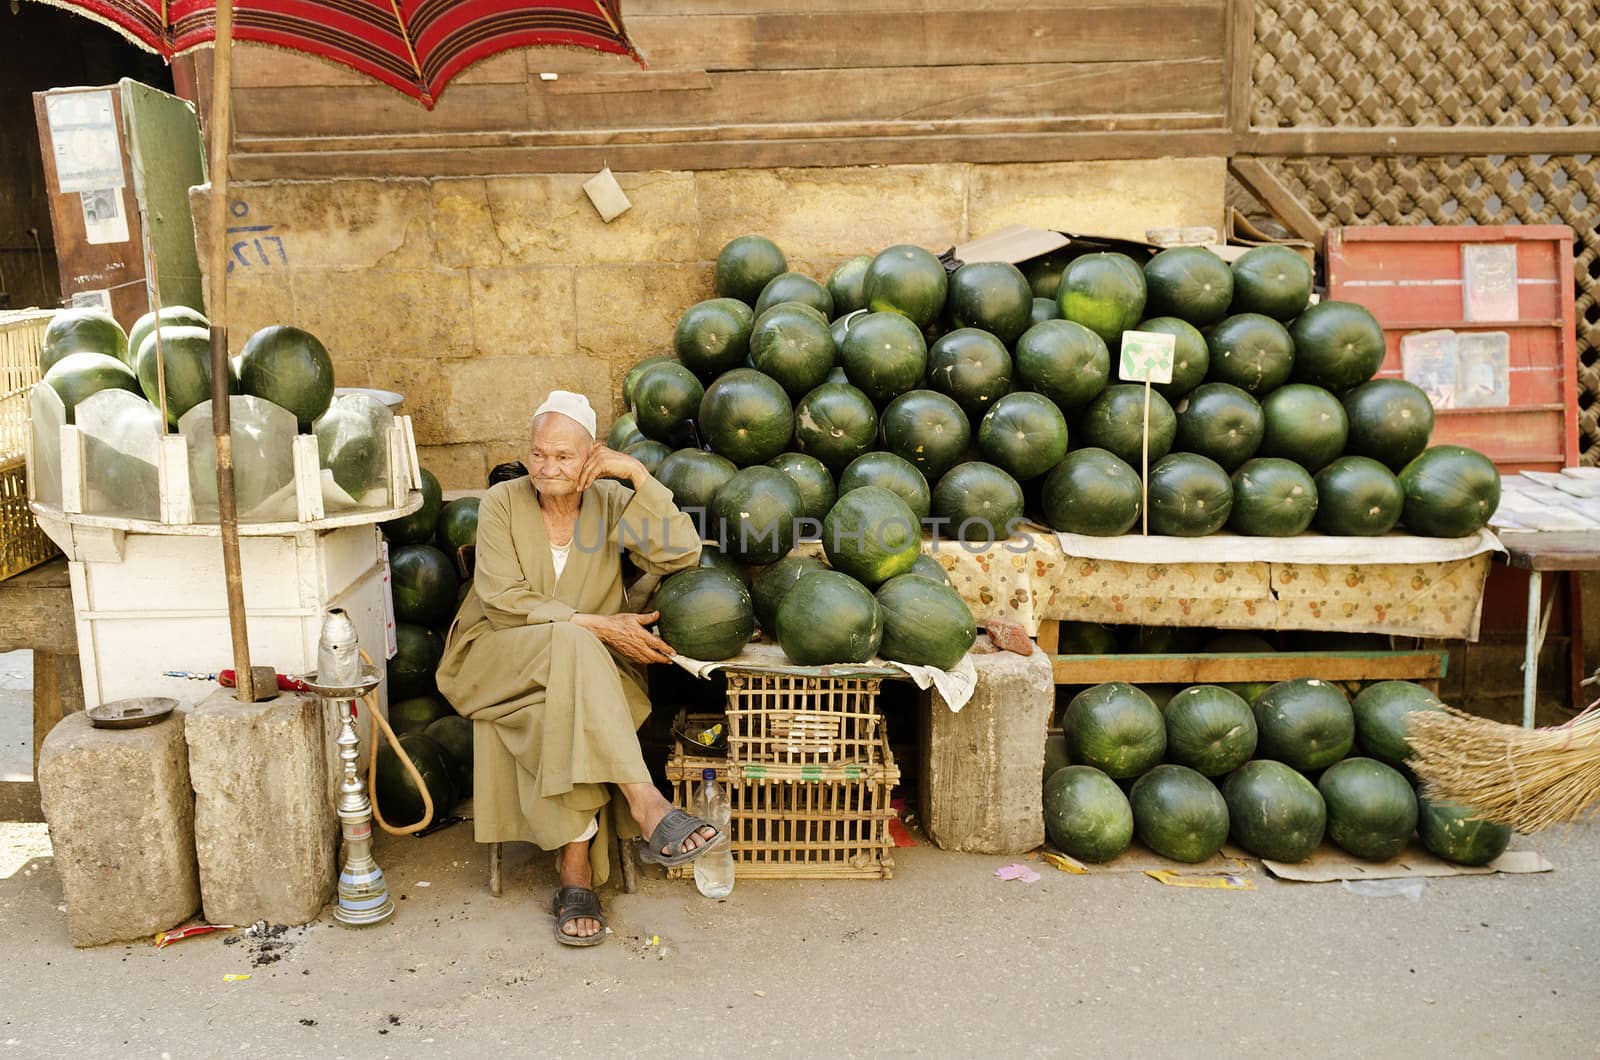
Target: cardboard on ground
[
  {"x": 1147, "y": 356},
  {"x": 1330, "y": 864}
]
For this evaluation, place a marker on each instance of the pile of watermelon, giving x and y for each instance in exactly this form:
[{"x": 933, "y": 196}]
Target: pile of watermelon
[{"x": 1277, "y": 774}]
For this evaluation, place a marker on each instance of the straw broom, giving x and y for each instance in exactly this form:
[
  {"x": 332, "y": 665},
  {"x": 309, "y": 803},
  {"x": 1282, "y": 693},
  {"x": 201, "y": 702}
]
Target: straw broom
[{"x": 1529, "y": 779}]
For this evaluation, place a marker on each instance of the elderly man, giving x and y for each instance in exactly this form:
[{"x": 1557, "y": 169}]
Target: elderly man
[{"x": 544, "y": 661}]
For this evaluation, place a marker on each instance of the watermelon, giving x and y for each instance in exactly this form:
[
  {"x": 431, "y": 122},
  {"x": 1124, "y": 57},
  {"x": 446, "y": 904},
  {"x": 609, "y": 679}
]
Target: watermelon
[
  {"x": 928, "y": 567},
  {"x": 186, "y": 357},
  {"x": 795, "y": 287},
  {"x": 1086, "y": 638},
  {"x": 828, "y": 617},
  {"x": 1164, "y": 640},
  {"x": 418, "y": 527},
  {"x": 350, "y": 443},
  {"x": 1190, "y": 356},
  {"x": 171, "y": 316},
  {"x": 1044, "y": 274},
  {"x": 1024, "y": 433},
  {"x": 1305, "y": 424},
  {"x": 746, "y": 265},
  {"x": 925, "y": 623},
  {"x": 871, "y": 535},
  {"x": 704, "y": 613},
  {"x": 1179, "y": 814},
  {"x": 847, "y": 285},
  {"x": 1273, "y": 811},
  {"x": 815, "y": 483},
  {"x": 1382, "y": 711},
  {"x": 794, "y": 346},
  {"x": 290, "y": 368},
  {"x": 1220, "y": 421},
  {"x": 979, "y": 502},
  {"x": 835, "y": 423},
  {"x": 624, "y": 432},
  {"x": 907, "y": 280},
  {"x": 694, "y": 477},
  {"x": 884, "y": 355},
  {"x": 418, "y": 650},
  {"x": 1086, "y": 815},
  {"x": 78, "y": 375},
  {"x": 631, "y": 380},
  {"x": 971, "y": 366},
  {"x": 712, "y": 556},
  {"x": 1209, "y": 729},
  {"x": 1064, "y": 361},
  {"x": 1094, "y": 492},
  {"x": 927, "y": 429},
  {"x": 1390, "y": 421},
  {"x": 1115, "y": 727},
  {"x": 770, "y": 586},
  {"x": 1190, "y": 283},
  {"x": 453, "y": 733},
  {"x": 665, "y": 396},
  {"x": 1304, "y": 723},
  {"x": 1273, "y": 281},
  {"x": 73, "y": 331},
  {"x": 395, "y": 794},
  {"x": 1103, "y": 292},
  {"x": 1238, "y": 642},
  {"x": 712, "y": 337},
  {"x": 1450, "y": 490},
  {"x": 1044, "y": 309},
  {"x": 1372, "y": 811},
  {"x": 1358, "y": 497},
  {"x": 1272, "y": 498},
  {"x": 1251, "y": 351},
  {"x": 897, "y": 475},
  {"x": 1336, "y": 345},
  {"x": 649, "y": 453},
  {"x": 755, "y": 511},
  {"x": 1115, "y": 421},
  {"x": 746, "y": 416},
  {"x": 417, "y": 713},
  {"x": 424, "y": 581},
  {"x": 1449, "y": 831},
  {"x": 458, "y": 525},
  {"x": 992, "y": 296},
  {"x": 1190, "y": 496}
]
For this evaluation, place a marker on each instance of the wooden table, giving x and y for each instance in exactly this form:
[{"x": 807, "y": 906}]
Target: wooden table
[
  {"x": 37, "y": 605},
  {"x": 1537, "y": 551}
]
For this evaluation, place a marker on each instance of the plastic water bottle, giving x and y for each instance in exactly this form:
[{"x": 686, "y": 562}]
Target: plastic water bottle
[{"x": 713, "y": 870}]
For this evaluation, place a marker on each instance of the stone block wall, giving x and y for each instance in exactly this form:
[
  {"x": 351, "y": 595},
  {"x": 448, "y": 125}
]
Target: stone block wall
[{"x": 475, "y": 296}]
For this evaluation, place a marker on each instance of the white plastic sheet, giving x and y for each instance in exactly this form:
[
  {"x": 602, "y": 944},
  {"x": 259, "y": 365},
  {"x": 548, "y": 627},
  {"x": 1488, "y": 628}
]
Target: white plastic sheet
[
  {"x": 121, "y": 451},
  {"x": 263, "y": 461}
]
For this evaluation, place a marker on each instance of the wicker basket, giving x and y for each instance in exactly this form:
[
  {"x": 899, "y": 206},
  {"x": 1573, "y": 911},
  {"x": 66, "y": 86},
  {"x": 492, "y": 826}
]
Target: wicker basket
[
  {"x": 794, "y": 720},
  {"x": 22, "y": 543}
]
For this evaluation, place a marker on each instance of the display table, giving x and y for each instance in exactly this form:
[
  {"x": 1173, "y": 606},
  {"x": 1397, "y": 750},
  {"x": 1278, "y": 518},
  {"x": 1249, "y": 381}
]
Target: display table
[{"x": 1537, "y": 552}]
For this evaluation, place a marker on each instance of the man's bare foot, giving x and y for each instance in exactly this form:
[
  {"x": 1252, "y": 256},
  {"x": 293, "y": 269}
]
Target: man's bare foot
[
  {"x": 574, "y": 866},
  {"x": 649, "y": 807}
]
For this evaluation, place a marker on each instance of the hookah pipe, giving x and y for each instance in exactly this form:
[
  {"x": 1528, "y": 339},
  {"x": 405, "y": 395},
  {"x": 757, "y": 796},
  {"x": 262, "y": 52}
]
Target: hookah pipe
[{"x": 371, "y": 701}]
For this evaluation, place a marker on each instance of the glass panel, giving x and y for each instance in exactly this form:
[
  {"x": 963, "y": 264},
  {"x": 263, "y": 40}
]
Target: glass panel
[
  {"x": 353, "y": 453},
  {"x": 121, "y": 450},
  {"x": 48, "y": 415},
  {"x": 263, "y": 461}
]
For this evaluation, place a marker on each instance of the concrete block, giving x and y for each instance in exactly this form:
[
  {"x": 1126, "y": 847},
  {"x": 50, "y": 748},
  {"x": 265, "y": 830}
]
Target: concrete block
[
  {"x": 326, "y": 224},
  {"x": 457, "y": 467},
  {"x": 625, "y": 312},
  {"x": 121, "y": 821},
  {"x": 1108, "y": 198},
  {"x": 380, "y": 312},
  {"x": 523, "y": 312},
  {"x": 494, "y": 397},
  {"x": 981, "y": 791},
  {"x": 420, "y": 379},
  {"x": 265, "y": 831}
]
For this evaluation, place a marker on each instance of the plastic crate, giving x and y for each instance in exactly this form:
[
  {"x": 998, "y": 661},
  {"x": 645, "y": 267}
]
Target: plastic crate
[
  {"x": 22, "y": 544},
  {"x": 800, "y": 720}
]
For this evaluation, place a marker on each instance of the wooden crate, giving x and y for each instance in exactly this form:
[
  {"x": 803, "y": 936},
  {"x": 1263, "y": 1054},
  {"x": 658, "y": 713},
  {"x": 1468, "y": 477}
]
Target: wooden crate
[
  {"x": 803, "y": 720},
  {"x": 22, "y": 544}
]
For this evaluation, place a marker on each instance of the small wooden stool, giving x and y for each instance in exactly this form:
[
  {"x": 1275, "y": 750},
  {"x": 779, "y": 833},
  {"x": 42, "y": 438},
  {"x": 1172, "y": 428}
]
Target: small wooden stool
[{"x": 625, "y": 856}]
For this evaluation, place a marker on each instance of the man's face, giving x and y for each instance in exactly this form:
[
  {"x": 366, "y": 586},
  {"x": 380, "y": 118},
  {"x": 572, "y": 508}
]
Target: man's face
[{"x": 556, "y": 453}]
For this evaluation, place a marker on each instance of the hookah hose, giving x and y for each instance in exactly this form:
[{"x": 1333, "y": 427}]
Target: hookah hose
[{"x": 371, "y": 702}]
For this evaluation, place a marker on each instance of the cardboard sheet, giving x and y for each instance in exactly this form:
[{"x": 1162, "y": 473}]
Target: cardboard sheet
[{"x": 1331, "y": 865}]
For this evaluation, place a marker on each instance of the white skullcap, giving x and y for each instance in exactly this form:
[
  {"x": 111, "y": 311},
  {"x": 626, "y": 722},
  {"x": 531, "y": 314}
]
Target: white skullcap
[{"x": 574, "y": 407}]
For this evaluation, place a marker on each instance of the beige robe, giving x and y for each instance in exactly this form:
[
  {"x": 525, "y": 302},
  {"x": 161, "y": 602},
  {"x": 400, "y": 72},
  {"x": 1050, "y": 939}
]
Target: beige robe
[{"x": 555, "y": 712}]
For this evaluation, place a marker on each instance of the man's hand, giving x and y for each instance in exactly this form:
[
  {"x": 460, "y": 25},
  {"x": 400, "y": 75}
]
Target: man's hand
[
  {"x": 603, "y": 461},
  {"x": 627, "y": 636}
]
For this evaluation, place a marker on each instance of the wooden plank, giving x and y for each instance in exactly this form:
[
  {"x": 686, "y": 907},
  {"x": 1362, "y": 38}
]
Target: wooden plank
[
  {"x": 332, "y": 110},
  {"x": 1241, "y": 55},
  {"x": 1282, "y": 202},
  {"x": 1049, "y": 638},
  {"x": 637, "y": 9},
  {"x": 706, "y": 42},
  {"x": 38, "y": 609},
  {"x": 609, "y": 82},
  {"x": 1552, "y": 550},
  {"x": 1263, "y": 666},
  {"x": 57, "y": 692},
  {"x": 1387, "y": 141},
  {"x": 258, "y": 66}
]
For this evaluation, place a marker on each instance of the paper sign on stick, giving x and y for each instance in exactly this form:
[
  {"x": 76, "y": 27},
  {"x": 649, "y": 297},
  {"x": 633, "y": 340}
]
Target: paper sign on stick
[{"x": 1147, "y": 356}]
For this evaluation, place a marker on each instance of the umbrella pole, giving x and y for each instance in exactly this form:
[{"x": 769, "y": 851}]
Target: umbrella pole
[{"x": 221, "y": 417}]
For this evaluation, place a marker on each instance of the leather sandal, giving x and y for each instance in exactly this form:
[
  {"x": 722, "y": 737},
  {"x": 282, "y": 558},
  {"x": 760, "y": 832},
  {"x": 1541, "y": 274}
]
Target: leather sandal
[{"x": 577, "y": 903}]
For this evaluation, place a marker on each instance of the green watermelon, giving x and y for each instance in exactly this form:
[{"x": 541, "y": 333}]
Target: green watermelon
[
  {"x": 712, "y": 337},
  {"x": 418, "y": 650},
  {"x": 884, "y": 355},
  {"x": 1209, "y": 729},
  {"x": 928, "y": 567},
  {"x": 815, "y": 483},
  {"x": 290, "y": 368},
  {"x": 453, "y": 733},
  {"x": 1064, "y": 361},
  {"x": 1086, "y": 638},
  {"x": 1390, "y": 421},
  {"x": 624, "y": 432},
  {"x": 793, "y": 345},
  {"x": 1449, "y": 831},
  {"x": 1179, "y": 814},
  {"x": 836, "y": 423},
  {"x": 1251, "y": 351},
  {"x": 1271, "y": 280},
  {"x": 78, "y": 375},
  {"x": 631, "y": 380},
  {"x": 665, "y": 396},
  {"x": 770, "y": 586},
  {"x": 1044, "y": 274},
  {"x": 171, "y": 316},
  {"x": 1164, "y": 640},
  {"x": 971, "y": 366},
  {"x": 417, "y": 713},
  {"x": 1115, "y": 421},
  {"x": 1274, "y": 812},
  {"x": 1094, "y": 492},
  {"x": 649, "y": 453},
  {"x": 704, "y": 613},
  {"x": 350, "y": 445},
  {"x": 1272, "y": 498},
  {"x": 1103, "y": 292},
  {"x": 1237, "y": 642},
  {"x": 847, "y": 285},
  {"x": 1190, "y": 356},
  {"x": 73, "y": 331},
  {"x": 1336, "y": 345},
  {"x": 1190, "y": 496},
  {"x": 1305, "y": 424},
  {"x": 897, "y": 475},
  {"x": 1450, "y": 490},
  {"x": 925, "y": 623},
  {"x": 1044, "y": 309},
  {"x": 978, "y": 502},
  {"x": 755, "y": 512},
  {"x": 871, "y": 535},
  {"x": 746, "y": 417},
  {"x": 795, "y": 287},
  {"x": 1382, "y": 711},
  {"x": 1372, "y": 811},
  {"x": 1190, "y": 283},
  {"x": 396, "y": 795},
  {"x": 1024, "y": 433},
  {"x": 1115, "y": 727},
  {"x": 424, "y": 581},
  {"x": 713, "y": 557},
  {"x": 746, "y": 265},
  {"x": 907, "y": 280},
  {"x": 1304, "y": 723},
  {"x": 186, "y": 357},
  {"x": 927, "y": 429},
  {"x": 694, "y": 477},
  {"x": 458, "y": 524},
  {"x": 1358, "y": 497},
  {"x": 828, "y": 617},
  {"x": 418, "y": 527},
  {"x": 992, "y": 296},
  {"x": 1086, "y": 815},
  {"x": 1220, "y": 421}
]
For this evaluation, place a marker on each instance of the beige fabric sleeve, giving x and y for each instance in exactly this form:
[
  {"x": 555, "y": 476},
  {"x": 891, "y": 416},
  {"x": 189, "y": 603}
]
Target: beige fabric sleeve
[
  {"x": 502, "y": 585},
  {"x": 660, "y": 538}
]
